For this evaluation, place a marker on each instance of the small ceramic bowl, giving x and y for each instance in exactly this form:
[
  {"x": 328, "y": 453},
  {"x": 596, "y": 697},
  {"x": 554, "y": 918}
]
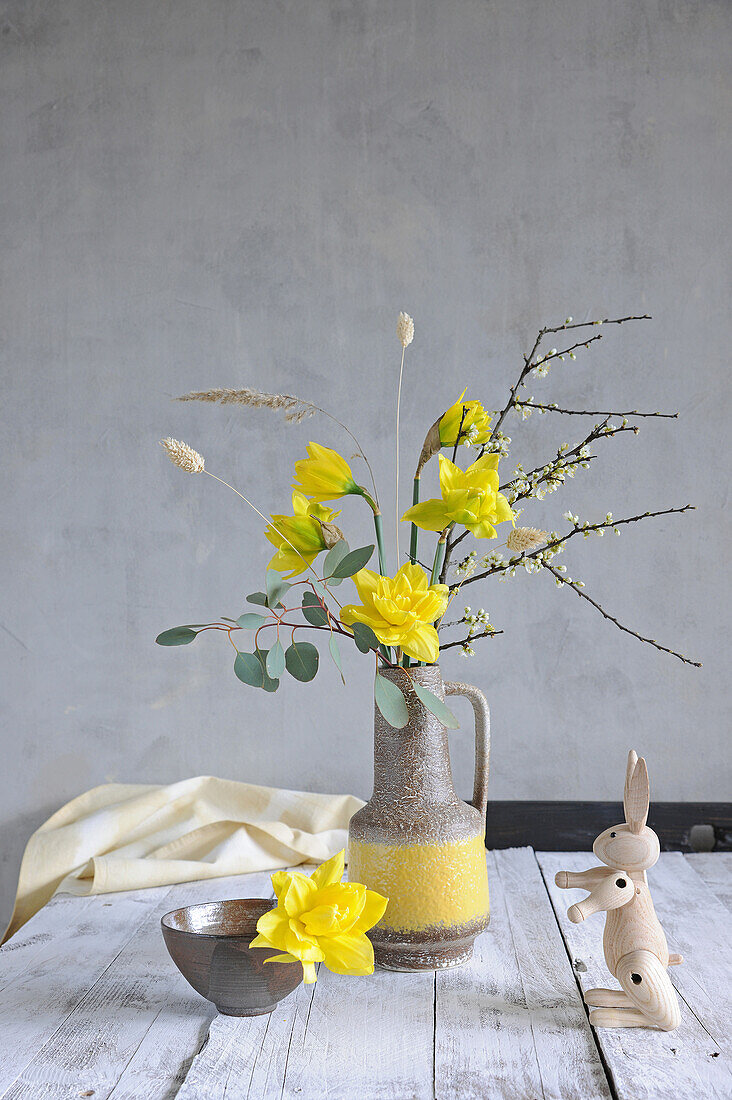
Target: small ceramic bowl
[{"x": 209, "y": 944}]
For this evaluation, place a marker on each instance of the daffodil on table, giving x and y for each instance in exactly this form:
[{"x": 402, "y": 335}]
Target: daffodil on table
[{"x": 319, "y": 919}]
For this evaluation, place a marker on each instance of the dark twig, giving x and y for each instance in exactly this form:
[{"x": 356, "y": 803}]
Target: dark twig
[
  {"x": 513, "y": 562},
  {"x": 606, "y": 321},
  {"x": 591, "y": 412},
  {"x": 529, "y": 364},
  {"x": 560, "y": 462},
  {"x": 474, "y": 638},
  {"x": 611, "y": 618}
]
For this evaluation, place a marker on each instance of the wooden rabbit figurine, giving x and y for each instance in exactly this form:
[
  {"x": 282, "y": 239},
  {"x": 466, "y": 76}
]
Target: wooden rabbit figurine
[{"x": 635, "y": 946}]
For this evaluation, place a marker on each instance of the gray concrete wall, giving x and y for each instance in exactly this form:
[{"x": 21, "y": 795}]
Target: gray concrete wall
[{"x": 247, "y": 192}]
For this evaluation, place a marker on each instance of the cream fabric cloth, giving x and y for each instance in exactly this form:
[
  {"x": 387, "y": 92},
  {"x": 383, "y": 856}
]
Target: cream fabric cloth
[{"x": 128, "y": 836}]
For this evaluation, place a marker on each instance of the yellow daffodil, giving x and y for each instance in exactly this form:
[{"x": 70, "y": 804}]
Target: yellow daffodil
[
  {"x": 476, "y": 423},
  {"x": 324, "y": 475},
  {"x": 321, "y": 919},
  {"x": 400, "y": 610},
  {"x": 299, "y": 538},
  {"x": 470, "y": 498}
]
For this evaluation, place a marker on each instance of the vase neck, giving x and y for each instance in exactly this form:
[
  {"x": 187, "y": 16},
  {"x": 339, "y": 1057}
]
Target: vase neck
[{"x": 413, "y": 764}]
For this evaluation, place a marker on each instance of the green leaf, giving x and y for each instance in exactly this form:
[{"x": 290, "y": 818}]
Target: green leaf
[
  {"x": 364, "y": 637},
  {"x": 269, "y": 683},
  {"x": 354, "y": 561},
  {"x": 177, "y": 635},
  {"x": 334, "y": 556},
  {"x": 249, "y": 669},
  {"x": 313, "y": 610},
  {"x": 276, "y": 661},
  {"x": 258, "y": 597},
  {"x": 391, "y": 702},
  {"x": 276, "y": 587},
  {"x": 301, "y": 660},
  {"x": 336, "y": 655},
  {"x": 430, "y": 702},
  {"x": 251, "y": 621}
]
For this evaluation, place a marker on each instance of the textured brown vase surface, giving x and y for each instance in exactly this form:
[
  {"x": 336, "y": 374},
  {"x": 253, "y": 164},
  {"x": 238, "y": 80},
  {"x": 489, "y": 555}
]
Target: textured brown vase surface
[
  {"x": 209, "y": 944},
  {"x": 419, "y": 844}
]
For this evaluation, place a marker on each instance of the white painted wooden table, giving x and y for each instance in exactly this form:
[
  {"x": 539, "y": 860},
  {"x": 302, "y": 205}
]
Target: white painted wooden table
[{"x": 92, "y": 1006}]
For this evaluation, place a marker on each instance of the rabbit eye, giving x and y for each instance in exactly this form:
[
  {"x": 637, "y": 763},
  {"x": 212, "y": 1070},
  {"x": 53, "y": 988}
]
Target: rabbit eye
[{"x": 612, "y": 835}]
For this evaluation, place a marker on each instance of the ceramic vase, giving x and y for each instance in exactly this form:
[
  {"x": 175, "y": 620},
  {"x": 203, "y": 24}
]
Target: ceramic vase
[{"x": 419, "y": 844}]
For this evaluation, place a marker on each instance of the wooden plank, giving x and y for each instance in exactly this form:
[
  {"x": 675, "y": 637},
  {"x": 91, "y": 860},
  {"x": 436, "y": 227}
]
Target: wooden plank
[
  {"x": 715, "y": 869},
  {"x": 60, "y": 972},
  {"x": 645, "y": 1064},
  {"x": 133, "y": 1031},
  {"x": 511, "y": 1023},
  {"x": 247, "y": 1057},
  {"x": 368, "y": 1038},
  {"x": 697, "y": 924}
]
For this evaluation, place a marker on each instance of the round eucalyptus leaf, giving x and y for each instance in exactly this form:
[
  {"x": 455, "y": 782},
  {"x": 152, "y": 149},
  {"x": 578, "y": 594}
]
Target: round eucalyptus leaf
[
  {"x": 301, "y": 661},
  {"x": 336, "y": 655},
  {"x": 276, "y": 661},
  {"x": 268, "y": 683},
  {"x": 353, "y": 561},
  {"x": 250, "y": 620},
  {"x": 364, "y": 637},
  {"x": 249, "y": 670},
  {"x": 430, "y": 702},
  {"x": 177, "y": 635},
  {"x": 391, "y": 702},
  {"x": 257, "y": 597},
  {"x": 276, "y": 587},
  {"x": 316, "y": 616}
]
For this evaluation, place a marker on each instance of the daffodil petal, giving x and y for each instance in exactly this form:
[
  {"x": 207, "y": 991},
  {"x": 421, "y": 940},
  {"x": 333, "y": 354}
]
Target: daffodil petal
[
  {"x": 351, "y": 953},
  {"x": 330, "y": 871},
  {"x": 422, "y": 643},
  {"x": 274, "y": 926},
  {"x": 298, "y": 895},
  {"x": 309, "y": 973},
  {"x": 285, "y": 958},
  {"x": 280, "y": 881},
  {"x": 430, "y": 515},
  {"x": 372, "y": 912}
]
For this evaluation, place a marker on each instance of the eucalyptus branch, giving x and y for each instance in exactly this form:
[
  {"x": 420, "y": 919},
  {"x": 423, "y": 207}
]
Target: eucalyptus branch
[
  {"x": 611, "y": 618},
  {"x": 552, "y": 546},
  {"x": 465, "y": 641},
  {"x": 590, "y": 412}
]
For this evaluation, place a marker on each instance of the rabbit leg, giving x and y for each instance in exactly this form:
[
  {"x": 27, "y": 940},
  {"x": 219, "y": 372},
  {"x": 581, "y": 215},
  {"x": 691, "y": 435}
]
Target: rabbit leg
[
  {"x": 619, "y": 1017},
  {"x": 675, "y": 960},
  {"x": 643, "y": 977},
  {"x": 608, "y": 998}
]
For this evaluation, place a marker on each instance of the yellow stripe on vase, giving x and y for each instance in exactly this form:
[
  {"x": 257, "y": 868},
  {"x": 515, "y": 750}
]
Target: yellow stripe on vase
[{"x": 427, "y": 885}]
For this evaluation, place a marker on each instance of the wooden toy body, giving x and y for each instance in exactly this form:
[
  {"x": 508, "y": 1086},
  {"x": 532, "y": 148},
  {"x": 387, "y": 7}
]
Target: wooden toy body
[{"x": 634, "y": 927}]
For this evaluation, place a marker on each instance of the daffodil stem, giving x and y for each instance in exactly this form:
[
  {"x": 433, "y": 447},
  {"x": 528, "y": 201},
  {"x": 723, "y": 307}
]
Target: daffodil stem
[
  {"x": 439, "y": 555},
  {"x": 379, "y": 529},
  {"x": 414, "y": 530}
]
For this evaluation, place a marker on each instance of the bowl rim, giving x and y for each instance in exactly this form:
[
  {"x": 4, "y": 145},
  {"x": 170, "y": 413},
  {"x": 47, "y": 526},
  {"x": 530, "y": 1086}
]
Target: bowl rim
[{"x": 166, "y": 926}]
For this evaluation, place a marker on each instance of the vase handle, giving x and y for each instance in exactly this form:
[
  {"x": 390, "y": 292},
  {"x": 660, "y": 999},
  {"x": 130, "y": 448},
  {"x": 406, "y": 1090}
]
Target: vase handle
[{"x": 482, "y": 740}]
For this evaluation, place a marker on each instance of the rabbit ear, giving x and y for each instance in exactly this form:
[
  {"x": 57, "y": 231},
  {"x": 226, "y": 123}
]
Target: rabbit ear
[
  {"x": 629, "y": 769},
  {"x": 637, "y": 796}
]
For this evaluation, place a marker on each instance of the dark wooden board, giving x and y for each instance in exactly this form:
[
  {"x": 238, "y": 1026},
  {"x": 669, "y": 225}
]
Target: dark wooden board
[{"x": 573, "y": 826}]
